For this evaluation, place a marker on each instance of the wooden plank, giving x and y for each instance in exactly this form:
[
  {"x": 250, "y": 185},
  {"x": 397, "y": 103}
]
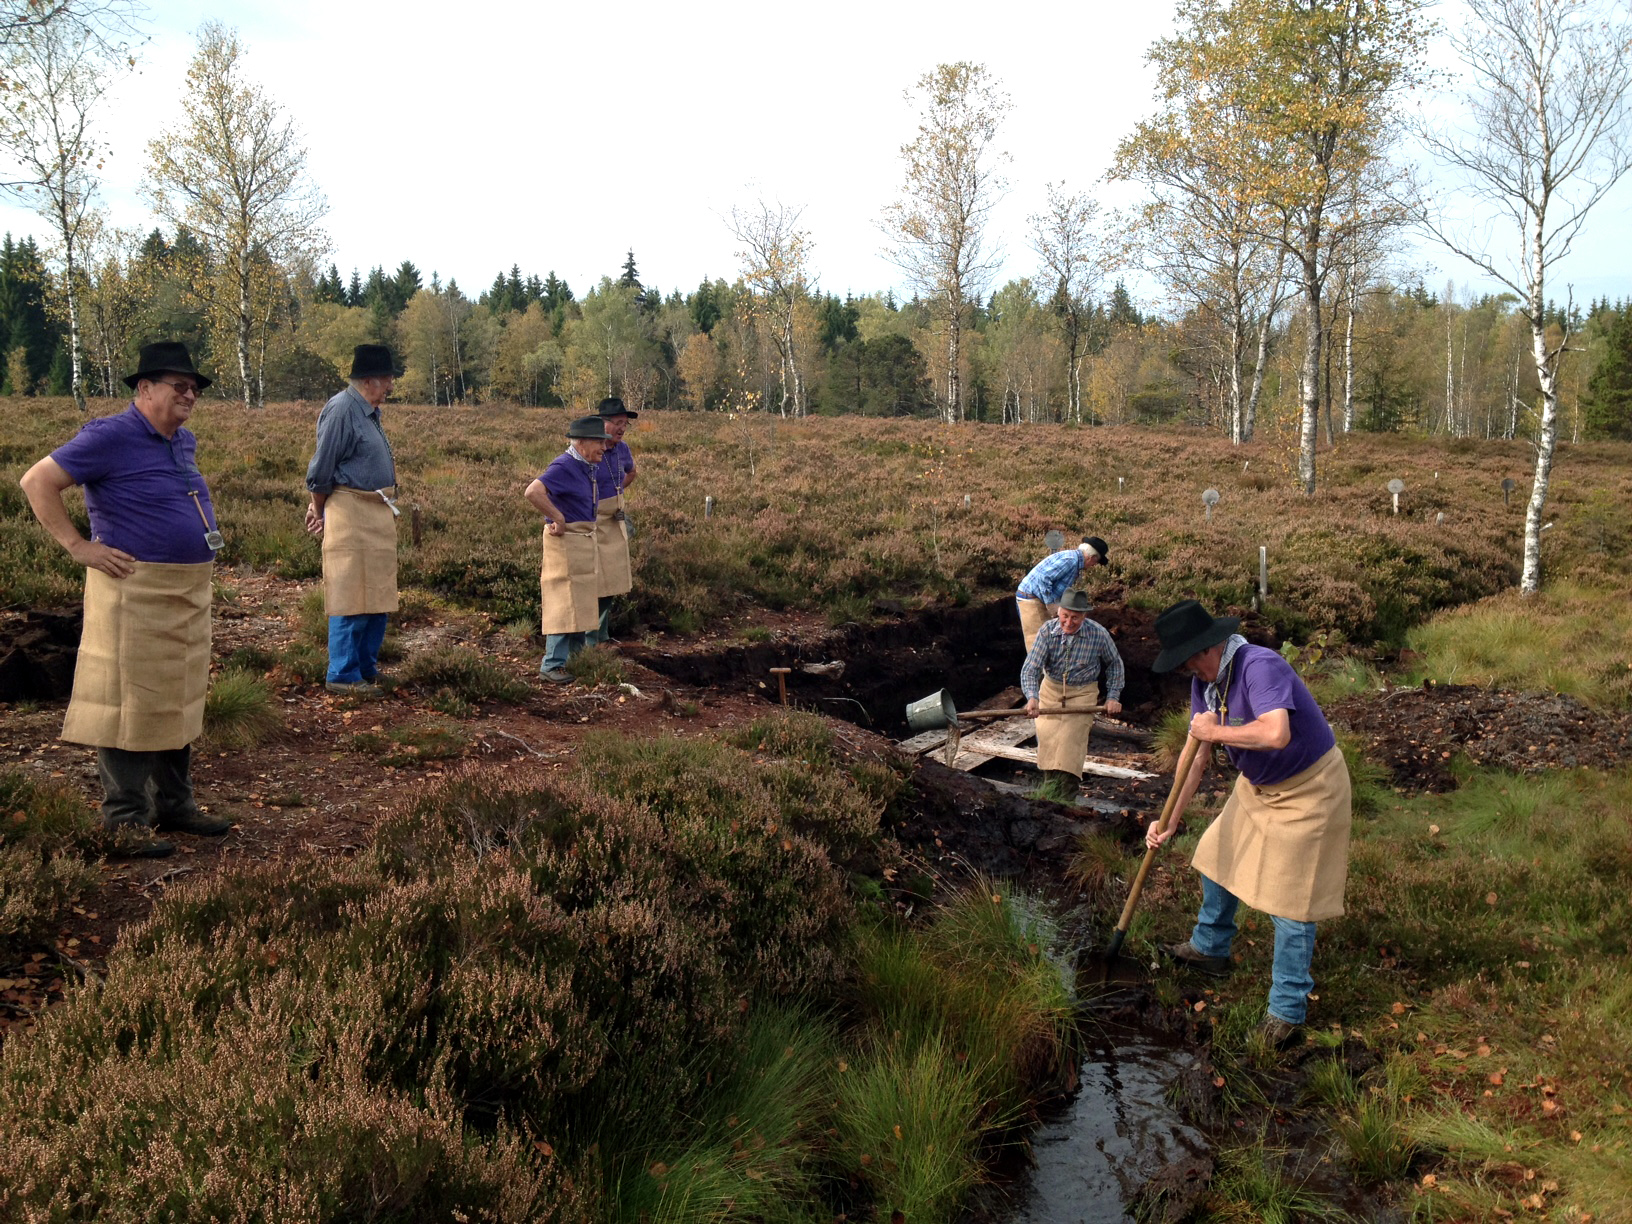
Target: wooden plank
[
  {"x": 1028, "y": 756},
  {"x": 992, "y": 742},
  {"x": 925, "y": 741}
]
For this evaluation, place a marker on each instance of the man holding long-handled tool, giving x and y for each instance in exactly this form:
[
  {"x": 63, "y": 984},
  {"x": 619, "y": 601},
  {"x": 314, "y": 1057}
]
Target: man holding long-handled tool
[
  {"x": 1281, "y": 844},
  {"x": 1068, "y": 661}
]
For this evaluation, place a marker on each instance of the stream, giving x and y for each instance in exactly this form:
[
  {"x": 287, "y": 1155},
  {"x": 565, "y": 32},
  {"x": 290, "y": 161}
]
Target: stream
[{"x": 1113, "y": 1136}]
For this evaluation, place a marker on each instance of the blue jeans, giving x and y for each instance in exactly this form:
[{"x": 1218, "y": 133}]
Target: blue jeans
[
  {"x": 1294, "y": 950},
  {"x": 558, "y": 648},
  {"x": 354, "y": 647},
  {"x": 597, "y": 635}
]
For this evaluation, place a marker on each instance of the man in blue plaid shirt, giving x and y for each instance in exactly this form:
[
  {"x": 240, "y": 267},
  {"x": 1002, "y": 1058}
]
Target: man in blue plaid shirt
[
  {"x": 1039, "y": 595},
  {"x": 1071, "y": 658}
]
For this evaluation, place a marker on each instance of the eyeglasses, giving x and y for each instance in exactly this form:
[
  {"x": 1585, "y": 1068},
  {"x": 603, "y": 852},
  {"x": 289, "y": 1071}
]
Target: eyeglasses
[{"x": 181, "y": 388}]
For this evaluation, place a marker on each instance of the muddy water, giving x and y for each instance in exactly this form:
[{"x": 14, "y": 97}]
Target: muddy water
[{"x": 1111, "y": 1138}]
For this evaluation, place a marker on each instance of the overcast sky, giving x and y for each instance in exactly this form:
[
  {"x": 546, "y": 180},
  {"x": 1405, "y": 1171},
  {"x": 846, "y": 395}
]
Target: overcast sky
[{"x": 558, "y": 137}]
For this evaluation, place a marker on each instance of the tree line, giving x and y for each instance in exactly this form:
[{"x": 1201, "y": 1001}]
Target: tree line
[{"x": 1275, "y": 203}]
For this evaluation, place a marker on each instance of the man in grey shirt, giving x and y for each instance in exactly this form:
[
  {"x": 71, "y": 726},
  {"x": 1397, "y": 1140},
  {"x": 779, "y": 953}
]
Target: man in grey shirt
[{"x": 351, "y": 479}]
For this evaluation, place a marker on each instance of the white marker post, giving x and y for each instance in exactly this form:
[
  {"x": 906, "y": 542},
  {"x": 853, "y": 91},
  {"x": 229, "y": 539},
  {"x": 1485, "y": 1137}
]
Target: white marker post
[
  {"x": 1210, "y": 499},
  {"x": 1396, "y": 487},
  {"x": 708, "y": 507}
]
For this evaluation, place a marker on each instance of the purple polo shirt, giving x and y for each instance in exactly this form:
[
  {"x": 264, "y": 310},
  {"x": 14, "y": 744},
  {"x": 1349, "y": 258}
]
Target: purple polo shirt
[
  {"x": 136, "y": 485},
  {"x": 1261, "y": 681},
  {"x": 571, "y": 484},
  {"x": 615, "y": 466}
]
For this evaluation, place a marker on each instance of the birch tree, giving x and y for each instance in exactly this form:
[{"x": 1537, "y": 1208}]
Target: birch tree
[
  {"x": 1542, "y": 139},
  {"x": 775, "y": 259},
  {"x": 1069, "y": 239},
  {"x": 937, "y": 228},
  {"x": 1314, "y": 88},
  {"x": 1214, "y": 243},
  {"x": 234, "y": 172},
  {"x": 56, "y": 74}
]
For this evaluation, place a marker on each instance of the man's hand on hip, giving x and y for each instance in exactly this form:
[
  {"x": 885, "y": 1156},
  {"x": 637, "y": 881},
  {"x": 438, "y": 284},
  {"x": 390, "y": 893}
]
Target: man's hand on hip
[{"x": 93, "y": 554}]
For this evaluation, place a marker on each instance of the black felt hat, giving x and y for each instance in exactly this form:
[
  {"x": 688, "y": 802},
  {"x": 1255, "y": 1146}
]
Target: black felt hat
[
  {"x": 1076, "y": 601},
  {"x": 373, "y": 361},
  {"x": 590, "y": 428},
  {"x": 613, "y": 406},
  {"x": 165, "y": 357},
  {"x": 1187, "y": 628},
  {"x": 1099, "y": 546}
]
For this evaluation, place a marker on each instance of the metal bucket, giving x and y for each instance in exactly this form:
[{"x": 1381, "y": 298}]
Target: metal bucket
[{"x": 932, "y": 713}]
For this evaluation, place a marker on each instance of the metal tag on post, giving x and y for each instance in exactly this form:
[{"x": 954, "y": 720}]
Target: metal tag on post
[{"x": 1054, "y": 541}]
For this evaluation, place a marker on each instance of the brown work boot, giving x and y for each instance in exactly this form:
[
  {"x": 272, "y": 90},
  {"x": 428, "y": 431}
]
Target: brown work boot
[
  {"x": 1276, "y": 1033},
  {"x": 1185, "y": 953}
]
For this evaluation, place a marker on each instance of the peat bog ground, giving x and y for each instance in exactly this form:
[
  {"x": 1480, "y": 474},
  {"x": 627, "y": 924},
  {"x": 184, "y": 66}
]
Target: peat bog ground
[{"x": 1360, "y": 1120}]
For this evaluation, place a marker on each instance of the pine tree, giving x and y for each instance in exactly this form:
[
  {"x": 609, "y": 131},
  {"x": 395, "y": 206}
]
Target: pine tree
[
  {"x": 354, "y": 294},
  {"x": 1608, "y": 402},
  {"x": 630, "y": 278}
]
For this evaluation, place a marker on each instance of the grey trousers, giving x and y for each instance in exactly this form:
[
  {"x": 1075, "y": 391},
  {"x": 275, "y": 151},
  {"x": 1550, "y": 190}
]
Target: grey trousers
[{"x": 141, "y": 787}]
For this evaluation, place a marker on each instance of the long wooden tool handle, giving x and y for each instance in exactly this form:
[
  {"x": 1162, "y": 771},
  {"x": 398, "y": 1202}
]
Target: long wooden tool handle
[
  {"x": 1180, "y": 773},
  {"x": 1020, "y": 712}
]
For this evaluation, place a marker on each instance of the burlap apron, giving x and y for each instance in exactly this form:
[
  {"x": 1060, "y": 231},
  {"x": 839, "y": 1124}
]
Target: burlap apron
[
  {"x": 359, "y": 554},
  {"x": 144, "y": 659},
  {"x": 1063, "y": 742},
  {"x": 1284, "y": 849},
  {"x": 612, "y": 548},
  {"x": 568, "y": 578},
  {"x": 1034, "y": 614}
]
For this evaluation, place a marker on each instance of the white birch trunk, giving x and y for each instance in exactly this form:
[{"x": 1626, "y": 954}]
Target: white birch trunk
[
  {"x": 243, "y": 322},
  {"x": 1348, "y": 367}
]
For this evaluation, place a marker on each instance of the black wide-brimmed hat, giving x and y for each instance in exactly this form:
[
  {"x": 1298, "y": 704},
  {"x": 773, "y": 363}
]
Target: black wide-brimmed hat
[
  {"x": 373, "y": 361},
  {"x": 1187, "y": 628},
  {"x": 165, "y": 357},
  {"x": 591, "y": 428},
  {"x": 1099, "y": 546},
  {"x": 613, "y": 406},
  {"x": 1076, "y": 601}
]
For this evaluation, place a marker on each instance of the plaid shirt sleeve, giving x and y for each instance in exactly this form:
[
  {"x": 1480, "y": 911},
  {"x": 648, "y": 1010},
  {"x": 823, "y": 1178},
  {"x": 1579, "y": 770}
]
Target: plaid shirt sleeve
[{"x": 1052, "y": 577}]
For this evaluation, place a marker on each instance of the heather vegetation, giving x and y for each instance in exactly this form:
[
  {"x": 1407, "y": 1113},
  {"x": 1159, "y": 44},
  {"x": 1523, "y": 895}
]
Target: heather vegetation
[
  {"x": 538, "y": 997},
  {"x": 833, "y": 516}
]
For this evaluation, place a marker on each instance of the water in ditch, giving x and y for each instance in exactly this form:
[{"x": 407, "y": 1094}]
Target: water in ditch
[{"x": 1111, "y": 1138}]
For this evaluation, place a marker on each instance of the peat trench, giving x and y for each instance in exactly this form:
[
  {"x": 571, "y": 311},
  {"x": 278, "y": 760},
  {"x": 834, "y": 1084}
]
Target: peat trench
[{"x": 1131, "y": 1137}]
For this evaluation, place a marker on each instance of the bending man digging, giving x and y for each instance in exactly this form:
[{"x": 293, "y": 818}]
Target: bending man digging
[{"x": 1281, "y": 844}]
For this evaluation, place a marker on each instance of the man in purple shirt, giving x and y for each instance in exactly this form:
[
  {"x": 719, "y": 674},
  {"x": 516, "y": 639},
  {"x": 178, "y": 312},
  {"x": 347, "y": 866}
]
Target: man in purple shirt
[
  {"x": 1281, "y": 842},
  {"x": 567, "y": 495},
  {"x": 144, "y": 651}
]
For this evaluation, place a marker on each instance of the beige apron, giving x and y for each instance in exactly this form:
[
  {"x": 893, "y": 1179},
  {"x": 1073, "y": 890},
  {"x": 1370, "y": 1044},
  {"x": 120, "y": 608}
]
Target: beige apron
[
  {"x": 144, "y": 659},
  {"x": 1063, "y": 742},
  {"x": 612, "y": 548},
  {"x": 359, "y": 554},
  {"x": 568, "y": 578},
  {"x": 1034, "y": 614},
  {"x": 1284, "y": 849}
]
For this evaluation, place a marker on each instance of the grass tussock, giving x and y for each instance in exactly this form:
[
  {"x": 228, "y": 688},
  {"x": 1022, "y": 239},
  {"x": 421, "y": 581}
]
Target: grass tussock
[
  {"x": 464, "y": 674},
  {"x": 240, "y": 711},
  {"x": 1573, "y": 638},
  {"x": 596, "y": 666},
  {"x": 45, "y": 833}
]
